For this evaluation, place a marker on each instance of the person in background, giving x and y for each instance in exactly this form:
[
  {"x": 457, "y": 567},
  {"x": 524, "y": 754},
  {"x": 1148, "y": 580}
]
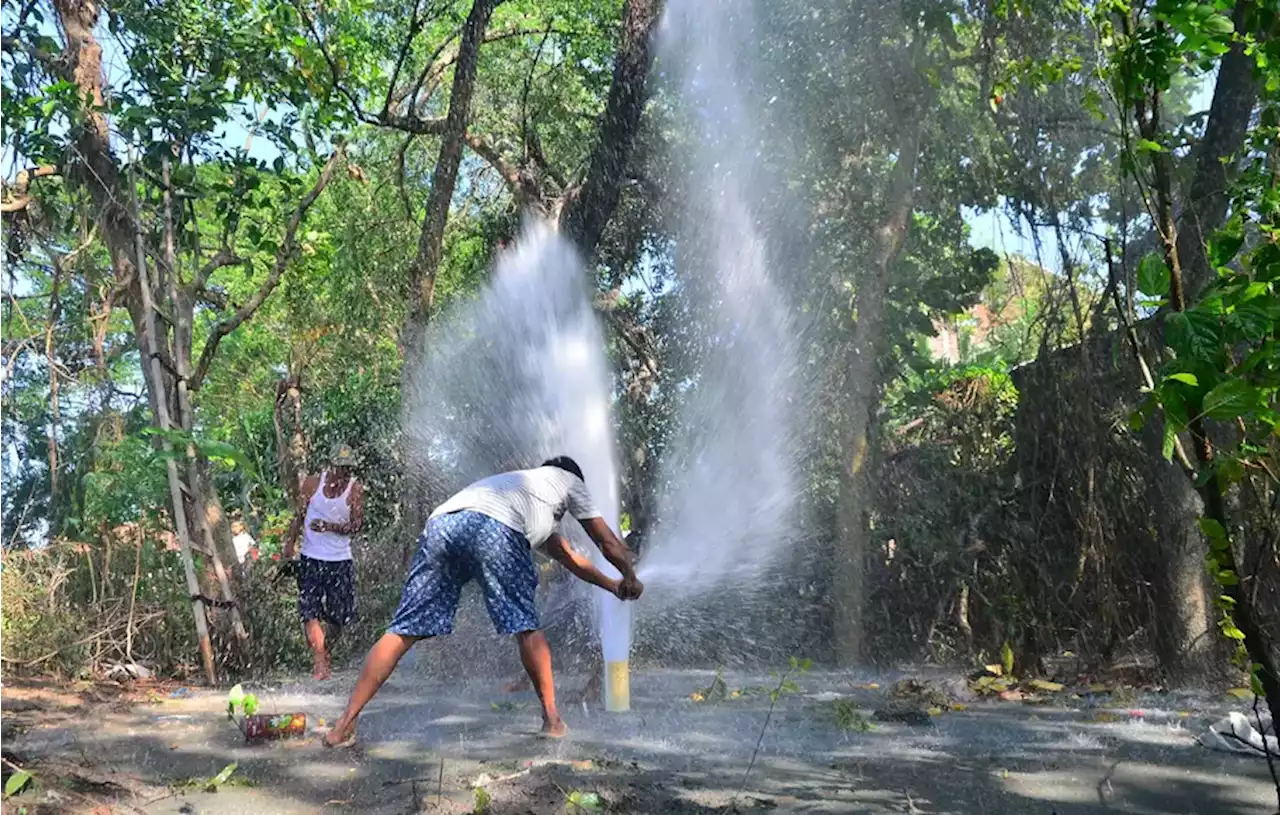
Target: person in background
[
  {"x": 486, "y": 533},
  {"x": 334, "y": 502},
  {"x": 243, "y": 542}
]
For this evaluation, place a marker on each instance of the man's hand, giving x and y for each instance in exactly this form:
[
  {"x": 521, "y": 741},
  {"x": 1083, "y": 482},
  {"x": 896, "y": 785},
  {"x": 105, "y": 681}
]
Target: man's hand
[
  {"x": 319, "y": 526},
  {"x": 629, "y": 588}
]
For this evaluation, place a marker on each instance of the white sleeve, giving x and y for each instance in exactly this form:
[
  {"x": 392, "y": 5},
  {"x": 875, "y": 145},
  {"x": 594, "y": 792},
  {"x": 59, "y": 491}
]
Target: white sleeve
[{"x": 580, "y": 504}]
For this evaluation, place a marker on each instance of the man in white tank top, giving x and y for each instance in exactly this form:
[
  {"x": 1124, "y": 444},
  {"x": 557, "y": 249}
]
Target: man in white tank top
[
  {"x": 486, "y": 533},
  {"x": 334, "y": 503}
]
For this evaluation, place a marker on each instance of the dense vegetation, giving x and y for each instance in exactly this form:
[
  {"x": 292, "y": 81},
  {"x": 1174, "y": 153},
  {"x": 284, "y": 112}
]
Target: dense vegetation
[{"x": 229, "y": 223}]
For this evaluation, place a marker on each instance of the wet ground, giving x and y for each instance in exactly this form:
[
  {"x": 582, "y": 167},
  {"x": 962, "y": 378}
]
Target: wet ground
[{"x": 427, "y": 745}]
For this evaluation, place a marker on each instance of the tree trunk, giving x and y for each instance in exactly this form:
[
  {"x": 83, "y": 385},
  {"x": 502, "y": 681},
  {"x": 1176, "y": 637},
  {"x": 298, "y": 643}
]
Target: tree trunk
[
  {"x": 860, "y": 393},
  {"x": 97, "y": 172},
  {"x": 1186, "y": 639},
  {"x": 422, "y": 272},
  {"x": 291, "y": 439},
  {"x": 588, "y": 209},
  {"x": 1205, "y": 203}
]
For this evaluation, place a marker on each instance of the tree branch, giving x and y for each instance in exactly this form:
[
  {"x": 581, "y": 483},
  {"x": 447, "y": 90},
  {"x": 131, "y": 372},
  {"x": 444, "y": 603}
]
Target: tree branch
[
  {"x": 401, "y": 174},
  {"x": 51, "y": 62},
  {"x": 225, "y": 257},
  {"x": 17, "y": 195},
  {"x": 510, "y": 175},
  {"x": 415, "y": 26},
  {"x": 435, "y": 68},
  {"x": 426, "y": 261},
  {"x": 283, "y": 256}
]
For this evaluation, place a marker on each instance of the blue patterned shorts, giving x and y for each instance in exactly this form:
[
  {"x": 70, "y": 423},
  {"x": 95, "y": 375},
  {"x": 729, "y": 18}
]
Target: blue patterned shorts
[{"x": 459, "y": 547}]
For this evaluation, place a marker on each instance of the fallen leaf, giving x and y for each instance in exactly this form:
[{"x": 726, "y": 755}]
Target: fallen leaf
[
  {"x": 1046, "y": 685},
  {"x": 1099, "y": 687},
  {"x": 934, "y": 711},
  {"x": 1244, "y": 694},
  {"x": 697, "y": 697},
  {"x": 1012, "y": 695},
  {"x": 994, "y": 670},
  {"x": 959, "y": 706}
]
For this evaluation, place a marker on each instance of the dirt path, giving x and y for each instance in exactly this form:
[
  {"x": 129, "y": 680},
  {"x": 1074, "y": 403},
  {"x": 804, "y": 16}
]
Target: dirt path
[{"x": 427, "y": 746}]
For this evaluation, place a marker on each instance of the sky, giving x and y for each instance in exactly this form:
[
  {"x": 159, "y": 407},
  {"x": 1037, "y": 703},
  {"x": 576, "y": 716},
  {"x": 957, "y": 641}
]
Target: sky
[{"x": 993, "y": 229}]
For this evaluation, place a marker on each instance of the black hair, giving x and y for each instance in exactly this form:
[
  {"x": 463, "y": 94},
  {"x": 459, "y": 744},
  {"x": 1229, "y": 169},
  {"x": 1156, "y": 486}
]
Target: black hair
[{"x": 565, "y": 463}]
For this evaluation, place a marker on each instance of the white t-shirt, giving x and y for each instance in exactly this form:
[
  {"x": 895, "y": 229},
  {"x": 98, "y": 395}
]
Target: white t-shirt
[
  {"x": 243, "y": 543},
  {"x": 529, "y": 501}
]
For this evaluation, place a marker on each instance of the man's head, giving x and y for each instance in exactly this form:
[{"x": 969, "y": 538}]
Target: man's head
[
  {"x": 238, "y": 527},
  {"x": 342, "y": 459},
  {"x": 565, "y": 463}
]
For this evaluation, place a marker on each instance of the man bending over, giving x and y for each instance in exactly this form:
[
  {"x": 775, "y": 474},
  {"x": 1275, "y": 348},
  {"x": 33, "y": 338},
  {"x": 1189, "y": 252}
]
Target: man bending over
[{"x": 485, "y": 533}]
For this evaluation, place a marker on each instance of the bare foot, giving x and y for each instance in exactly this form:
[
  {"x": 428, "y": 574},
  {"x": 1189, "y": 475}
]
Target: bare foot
[{"x": 553, "y": 728}]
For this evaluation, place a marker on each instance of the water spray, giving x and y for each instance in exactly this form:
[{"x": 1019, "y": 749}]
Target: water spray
[{"x": 522, "y": 372}]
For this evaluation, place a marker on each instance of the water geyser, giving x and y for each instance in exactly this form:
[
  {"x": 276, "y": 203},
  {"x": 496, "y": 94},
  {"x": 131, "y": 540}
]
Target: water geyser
[{"x": 519, "y": 375}]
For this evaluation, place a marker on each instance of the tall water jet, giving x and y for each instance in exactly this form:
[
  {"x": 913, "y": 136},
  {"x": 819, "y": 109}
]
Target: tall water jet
[
  {"x": 514, "y": 377},
  {"x": 728, "y": 511}
]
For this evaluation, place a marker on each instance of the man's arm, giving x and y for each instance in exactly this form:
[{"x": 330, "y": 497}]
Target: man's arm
[
  {"x": 562, "y": 552},
  {"x": 355, "y": 521},
  {"x": 309, "y": 486},
  {"x": 617, "y": 553}
]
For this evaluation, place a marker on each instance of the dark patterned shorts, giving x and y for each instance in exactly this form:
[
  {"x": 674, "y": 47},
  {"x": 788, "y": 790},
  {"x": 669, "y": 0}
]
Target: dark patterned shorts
[
  {"x": 327, "y": 590},
  {"x": 455, "y": 549}
]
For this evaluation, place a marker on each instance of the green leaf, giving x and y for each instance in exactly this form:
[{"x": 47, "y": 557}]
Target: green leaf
[
  {"x": 483, "y": 801},
  {"x": 1212, "y": 529},
  {"x": 1230, "y": 471},
  {"x": 250, "y": 704},
  {"x": 584, "y": 800},
  {"x": 1219, "y": 24},
  {"x": 1255, "y": 685},
  {"x": 235, "y": 696},
  {"x": 1153, "y": 276},
  {"x": 16, "y": 782},
  {"x": 1226, "y": 577},
  {"x": 1168, "y": 441},
  {"x": 1148, "y": 146},
  {"x": 1230, "y": 399},
  {"x": 1224, "y": 245},
  {"x": 224, "y": 776},
  {"x": 1006, "y": 658},
  {"x": 1186, "y": 379}
]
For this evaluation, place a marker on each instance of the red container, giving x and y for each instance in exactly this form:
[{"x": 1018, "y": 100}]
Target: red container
[{"x": 261, "y": 727}]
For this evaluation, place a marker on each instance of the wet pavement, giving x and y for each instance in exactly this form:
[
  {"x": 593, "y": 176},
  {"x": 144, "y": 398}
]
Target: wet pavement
[{"x": 425, "y": 745}]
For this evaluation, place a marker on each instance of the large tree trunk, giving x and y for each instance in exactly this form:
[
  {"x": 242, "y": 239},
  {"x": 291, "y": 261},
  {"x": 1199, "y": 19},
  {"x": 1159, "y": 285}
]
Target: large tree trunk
[
  {"x": 427, "y": 262},
  {"x": 1205, "y": 203},
  {"x": 859, "y": 395},
  {"x": 1188, "y": 646},
  {"x": 97, "y": 172},
  {"x": 588, "y": 209},
  {"x": 1187, "y": 643}
]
